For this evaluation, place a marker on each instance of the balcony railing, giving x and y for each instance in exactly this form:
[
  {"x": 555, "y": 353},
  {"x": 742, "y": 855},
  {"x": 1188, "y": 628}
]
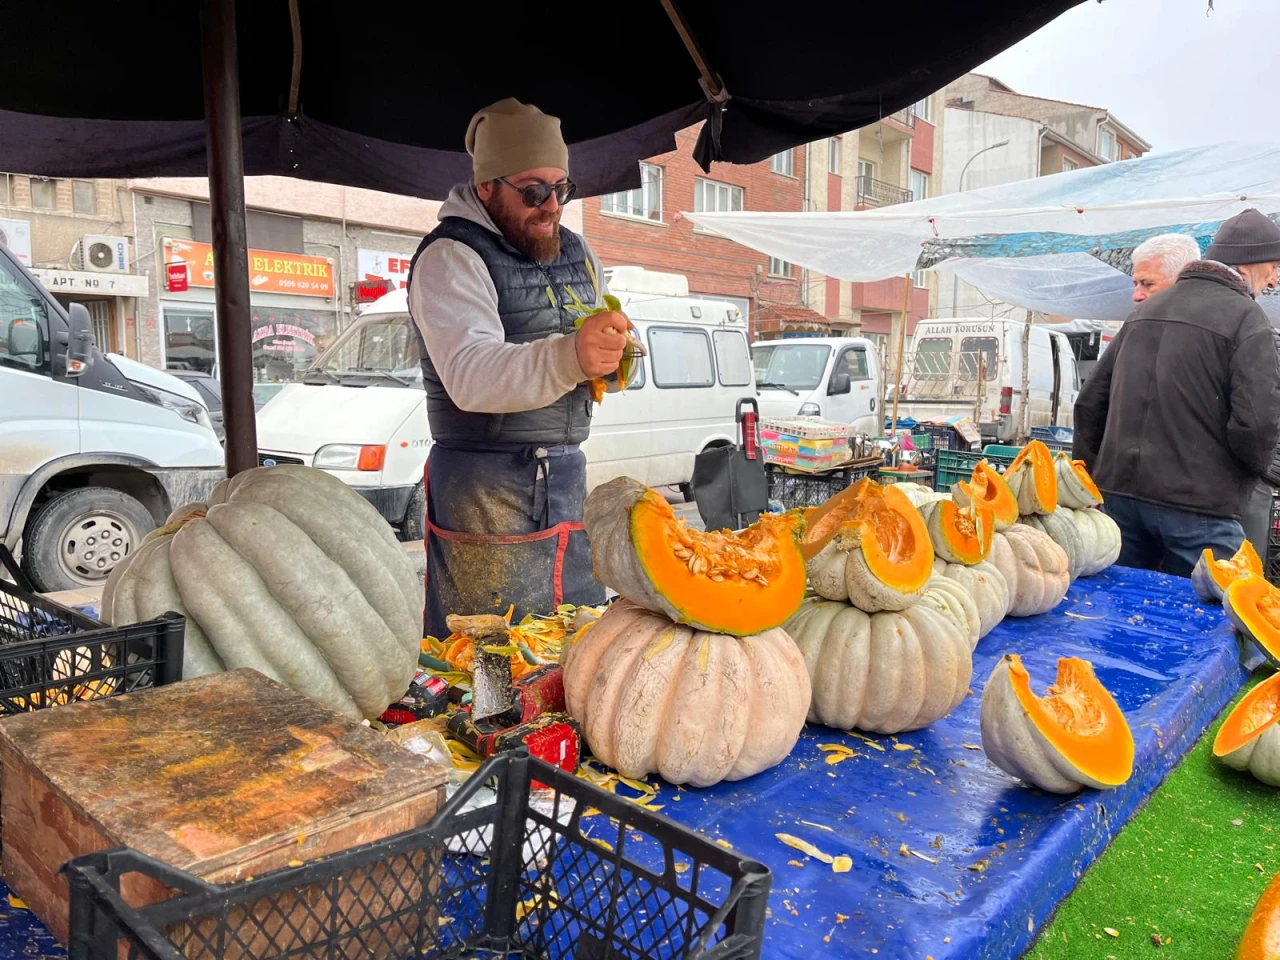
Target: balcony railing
[
  {"x": 877, "y": 193},
  {"x": 904, "y": 117}
]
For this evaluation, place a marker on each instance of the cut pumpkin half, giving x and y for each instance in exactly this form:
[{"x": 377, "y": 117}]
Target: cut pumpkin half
[
  {"x": 1076, "y": 488},
  {"x": 959, "y": 534},
  {"x": 1256, "y": 712},
  {"x": 1033, "y": 478},
  {"x": 987, "y": 487},
  {"x": 1261, "y": 940},
  {"x": 1211, "y": 577},
  {"x": 1253, "y": 607}
]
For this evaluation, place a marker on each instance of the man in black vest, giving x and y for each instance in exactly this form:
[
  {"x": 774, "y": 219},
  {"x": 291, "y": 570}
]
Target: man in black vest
[{"x": 506, "y": 374}]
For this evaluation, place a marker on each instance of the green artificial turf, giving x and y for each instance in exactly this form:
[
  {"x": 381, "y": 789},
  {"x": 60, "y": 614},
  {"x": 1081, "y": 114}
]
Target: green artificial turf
[{"x": 1188, "y": 868}]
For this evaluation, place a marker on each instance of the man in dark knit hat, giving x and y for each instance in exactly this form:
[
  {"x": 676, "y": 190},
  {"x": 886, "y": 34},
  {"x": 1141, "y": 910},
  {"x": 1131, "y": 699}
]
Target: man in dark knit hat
[{"x": 1181, "y": 416}]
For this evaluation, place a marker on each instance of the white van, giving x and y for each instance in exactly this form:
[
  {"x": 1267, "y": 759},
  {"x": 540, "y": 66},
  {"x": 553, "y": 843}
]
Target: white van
[
  {"x": 836, "y": 378},
  {"x": 940, "y": 375},
  {"x": 360, "y": 412},
  {"x": 95, "y": 450}
]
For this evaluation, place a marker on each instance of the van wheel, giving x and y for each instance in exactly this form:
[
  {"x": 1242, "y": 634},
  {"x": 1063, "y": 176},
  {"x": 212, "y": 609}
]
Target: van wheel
[
  {"x": 686, "y": 491},
  {"x": 76, "y": 539},
  {"x": 415, "y": 516}
]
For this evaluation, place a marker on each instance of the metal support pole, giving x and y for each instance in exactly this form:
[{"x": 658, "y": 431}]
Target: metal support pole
[{"x": 230, "y": 242}]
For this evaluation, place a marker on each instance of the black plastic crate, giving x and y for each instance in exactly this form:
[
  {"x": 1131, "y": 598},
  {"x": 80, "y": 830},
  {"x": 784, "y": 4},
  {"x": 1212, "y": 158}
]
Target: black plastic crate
[
  {"x": 52, "y": 655},
  {"x": 943, "y": 436},
  {"x": 1271, "y": 559},
  {"x": 813, "y": 489},
  {"x": 557, "y": 883}
]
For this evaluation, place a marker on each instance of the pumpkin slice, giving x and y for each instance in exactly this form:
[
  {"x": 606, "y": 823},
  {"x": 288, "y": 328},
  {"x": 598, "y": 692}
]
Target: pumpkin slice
[
  {"x": 958, "y": 534},
  {"x": 1033, "y": 479},
  {"x": 1261, "y": 940},
  {"x": 718, "y": 581},
  {"x": 869, "y": 546},
  {"x": 1073, "y": 736},
  {"x": 988, "y": 487},
  {"x": 1249, "y": 738},
  {"x": 1211, "y": 577},
  {"x": 1076, "y": 488},
  {"x": 1253, "y": 607}
]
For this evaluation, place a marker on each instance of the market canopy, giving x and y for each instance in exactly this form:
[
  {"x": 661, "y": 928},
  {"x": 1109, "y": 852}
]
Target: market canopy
[
  {"x": 379, "y": 97},
  {"x": 1059, "y": 245}
]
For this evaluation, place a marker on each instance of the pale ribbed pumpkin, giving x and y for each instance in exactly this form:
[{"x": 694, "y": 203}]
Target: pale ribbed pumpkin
[
  {"x": 719, "y": 581},
  {"x": 1253, "y": 607},
  {"x": 1063, "y": 531},
  {"x": 1072, "y": 737},
  {"x": 988, "y": 487},
  {"x": 949, "y": 597},
  {"x": 1210, "y": 577},
  {"x": 1034, "y": 567},
  {"x": 1100, "y": 538},
  {"x": 290, "y": 572},
  {"x": 1033, "y": 479},
  {"x": 985, "y": 584},
  {"x": 1076, "y": 488},
  {"x": 869, "y": 546},
  {"x": 696, "y": 708},
  {"x": 1249, "y": 739},
  {"x": 884, "y": 672}
]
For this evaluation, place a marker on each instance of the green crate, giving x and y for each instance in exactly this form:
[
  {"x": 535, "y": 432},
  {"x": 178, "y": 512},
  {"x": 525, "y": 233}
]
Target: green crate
[{"x": 957, "y": 465}]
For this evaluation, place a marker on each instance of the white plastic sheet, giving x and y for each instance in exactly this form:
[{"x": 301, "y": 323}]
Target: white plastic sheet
[{"x": 1056, "y": 244}]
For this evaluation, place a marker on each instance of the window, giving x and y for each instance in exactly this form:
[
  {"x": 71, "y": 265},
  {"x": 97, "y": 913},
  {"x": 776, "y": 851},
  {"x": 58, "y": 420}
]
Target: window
[
  {"x": 971, "y": 348},
  {"x": 933, "y": 358},
  {"x": 920, "y": 278},
  {"x": 1107, "y": 144},
  {"x": 680, "y": 358},
  {"x": 787, "y": 366},
  {"x": 919, "y": 185},
  {"x": 867, "y": 168},
  {"x": 923, "y": 109},
  {"x": 1068, "y": 165},
  {"x": 733, "y": 360},
  {"x": 644, "y": 202},
  {"x": 711, "y": 196},
  {"x": 44, "y": 194},
  {"x": 22, "y": 320},
  {"x": 100, "y": 324},
  {"x": 833, "y": 155},
  {"x": 84, "y": 198},
  {"x": 783, "y": 162},
  {"x": 389, "y": 346},
  {"x": 779, "y": 268},
  {"x": 854, "y": 362},
  {"x": 189, "y": 341}
]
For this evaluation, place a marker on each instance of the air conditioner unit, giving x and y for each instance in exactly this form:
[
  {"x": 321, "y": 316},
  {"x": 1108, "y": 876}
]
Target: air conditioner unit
[{"x": 103, "y": 254}]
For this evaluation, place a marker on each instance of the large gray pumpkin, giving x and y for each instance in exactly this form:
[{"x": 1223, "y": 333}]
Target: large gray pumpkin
[
  {"x": 290, "y": 572},
  {"x": 1063, "y": 531}
]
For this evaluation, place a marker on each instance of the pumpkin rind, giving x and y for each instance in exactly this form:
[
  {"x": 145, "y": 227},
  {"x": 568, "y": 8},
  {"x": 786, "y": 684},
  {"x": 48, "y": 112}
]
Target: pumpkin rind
[
  {"x": 869, "y": 546},
  {"x": 1211, "y": 577},
  {"x": 289, "y": 575},
  {"x": 717, "y": 581},
  {"x": 885, "y": 672},
  {"x": 988, "y": 487},
  {"x": 1074, "y": 736},
  {"x": 1249, "y": 739},
  {"x": 1100, "y": 537},
  {"x": 1034, "y": 567},
  {"x": 951, "y": 599},
  {"x": 1033, "y": 479},
  {"x": 694, "y": 707},
  {"x": 1253, "y": 607},
  {"x": 1076, "y": 488},
  {"x": 1261, "y": 939},
  {"x": 1062, "y": 530},
  {"x": 986, "y": 585}
]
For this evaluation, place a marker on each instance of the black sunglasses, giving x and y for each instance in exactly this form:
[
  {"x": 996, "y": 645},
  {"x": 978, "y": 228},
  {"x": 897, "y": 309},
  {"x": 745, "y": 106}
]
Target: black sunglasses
[{"x": 536, "y": 194}]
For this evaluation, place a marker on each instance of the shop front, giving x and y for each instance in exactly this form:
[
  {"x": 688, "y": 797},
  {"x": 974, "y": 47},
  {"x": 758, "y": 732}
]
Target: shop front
[{"x": 110, "y": 299}]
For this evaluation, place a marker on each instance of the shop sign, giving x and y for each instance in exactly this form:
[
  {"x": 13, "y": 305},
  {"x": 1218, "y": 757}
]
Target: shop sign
[
  {"x": 177, "y": 275},
  {"x": 383, "y": 265},
  {"x": 368, "y": 291},
  {"x": 270, "y": 271},
  {"x": 94, "y": 284}
]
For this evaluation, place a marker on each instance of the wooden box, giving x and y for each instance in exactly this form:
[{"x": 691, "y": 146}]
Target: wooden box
[{"x": 227, "y": 776}]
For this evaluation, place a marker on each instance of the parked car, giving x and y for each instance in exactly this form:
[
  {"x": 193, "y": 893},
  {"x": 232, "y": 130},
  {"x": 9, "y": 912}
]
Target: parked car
[
  {"x": 263, "y": 392},
  {"x": 836, "y": 378},
  {"x": 210, "y": 390}
]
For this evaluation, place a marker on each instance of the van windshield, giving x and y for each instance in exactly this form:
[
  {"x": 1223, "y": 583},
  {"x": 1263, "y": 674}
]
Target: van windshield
[
  {"x": 797, "y": 366},
  {"x": 385, "y": 348}
]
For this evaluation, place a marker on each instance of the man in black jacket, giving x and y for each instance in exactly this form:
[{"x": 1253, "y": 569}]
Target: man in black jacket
[{"x": 1182, "y": 413}]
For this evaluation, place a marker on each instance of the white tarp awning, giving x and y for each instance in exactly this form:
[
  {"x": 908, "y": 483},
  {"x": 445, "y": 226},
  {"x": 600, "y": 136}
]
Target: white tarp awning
[{"x": 1058, "y": 244}]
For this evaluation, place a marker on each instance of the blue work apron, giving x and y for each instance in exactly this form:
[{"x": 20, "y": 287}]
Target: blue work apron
[{"x": 503, "y": 528}]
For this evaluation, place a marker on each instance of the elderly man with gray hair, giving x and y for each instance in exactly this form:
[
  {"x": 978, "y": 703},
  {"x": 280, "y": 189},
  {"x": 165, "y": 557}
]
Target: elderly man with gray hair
[{"x": 1158, "y": 261}]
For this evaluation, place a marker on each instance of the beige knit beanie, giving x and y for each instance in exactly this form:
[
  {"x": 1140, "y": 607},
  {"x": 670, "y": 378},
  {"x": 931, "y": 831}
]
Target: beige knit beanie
[{"x": 509, "y": 137}]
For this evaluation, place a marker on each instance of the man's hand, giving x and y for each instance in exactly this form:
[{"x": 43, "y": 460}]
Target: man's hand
[{"x": 600, "y": 342}]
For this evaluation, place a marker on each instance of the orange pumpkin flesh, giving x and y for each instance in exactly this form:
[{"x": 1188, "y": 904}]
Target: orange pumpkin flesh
[
  {"x": 1080, "y": 719},
  {"x": 895, "y": 543},
  {"x": 988, "y": 487},
  {"x": 1253, "y": 607},
  {"x": 732, "y": 582},
  {"x": 1257, "y": 710},
  {"x": 1082, "y": 474},
  {"x": 1226, "y": 572},
  {"x": 968, "y": 530},
  {"x": 1035, "y": 456},
  {"x": 1261, "y": 940}
]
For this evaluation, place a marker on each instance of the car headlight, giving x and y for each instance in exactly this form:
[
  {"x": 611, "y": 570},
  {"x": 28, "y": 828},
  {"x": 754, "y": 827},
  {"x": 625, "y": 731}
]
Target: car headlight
[
  {"x": 186, "y": 409},
  {"x": 350, "y": 456},
  {"x": 810, "y": 410}
]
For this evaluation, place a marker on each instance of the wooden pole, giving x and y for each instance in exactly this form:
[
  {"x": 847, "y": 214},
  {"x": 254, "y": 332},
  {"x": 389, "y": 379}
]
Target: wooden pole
[
  {"x": 230, "y": 241},
  {"x": 982, "y": 389},
  {"x": 902, "y": 341},
  {"x": 1026, "y": 379}
]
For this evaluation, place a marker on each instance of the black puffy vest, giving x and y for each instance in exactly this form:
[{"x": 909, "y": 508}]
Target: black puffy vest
[{"x": 527, "y": 314}]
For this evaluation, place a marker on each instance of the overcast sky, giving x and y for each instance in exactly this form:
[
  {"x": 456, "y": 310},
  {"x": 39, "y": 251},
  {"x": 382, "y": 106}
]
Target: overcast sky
[{"x": 1176, "y": 77}]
